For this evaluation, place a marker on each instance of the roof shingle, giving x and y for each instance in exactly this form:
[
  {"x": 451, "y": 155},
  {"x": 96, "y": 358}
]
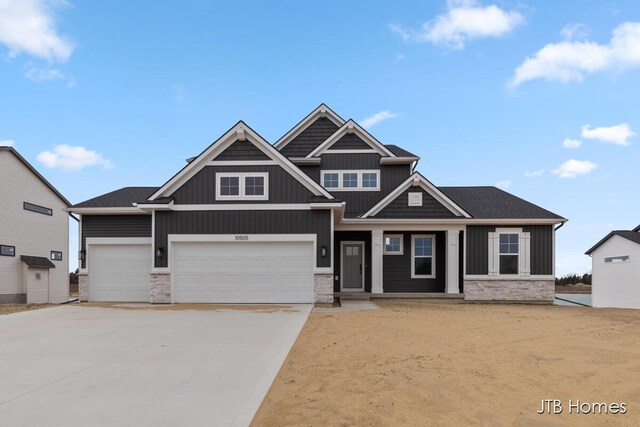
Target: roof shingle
[
  {"x": 37, "y": 261},
  {"x": 122, "y": 198},
  {"x": 633, "y": 236}
]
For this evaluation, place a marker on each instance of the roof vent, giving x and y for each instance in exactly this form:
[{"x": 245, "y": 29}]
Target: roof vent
[{"x": 241, "y": 134}]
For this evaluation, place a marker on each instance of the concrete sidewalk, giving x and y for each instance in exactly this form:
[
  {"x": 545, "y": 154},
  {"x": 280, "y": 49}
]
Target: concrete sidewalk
[{"x": 142, "y": 366}]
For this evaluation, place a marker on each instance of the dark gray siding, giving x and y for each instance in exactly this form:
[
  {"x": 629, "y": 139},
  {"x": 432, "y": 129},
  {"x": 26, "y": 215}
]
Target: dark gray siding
[
  {"x": 399, "y": 207},
  {"x": 245, "y": 222},
  {"x": 352, "y": 236},
  {"x": 351, "y": 161},
  {"x": 396, "y": 270},
  {"x": 541, "y": 248},
  {"x": 350, "y": 141},
  {"x": 114, "y": 226},
  {"x": 242, "y": 150},
  {"x": 312, "y": 171},
  {"x": 201, "y": 189},
  {"x": 310, "y": 138}
]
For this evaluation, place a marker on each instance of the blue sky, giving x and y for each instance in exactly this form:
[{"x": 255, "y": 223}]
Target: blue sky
[{"x": 101, "y": 95}]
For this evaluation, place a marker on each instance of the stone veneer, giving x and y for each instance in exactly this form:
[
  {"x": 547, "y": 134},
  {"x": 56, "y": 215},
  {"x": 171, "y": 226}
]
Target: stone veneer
[
  {"x": 160, "y": 288},
  {"x": 509, "y": 290},
  {"x": 323, "y": 288},
  {"x": 83, "y": 287}
]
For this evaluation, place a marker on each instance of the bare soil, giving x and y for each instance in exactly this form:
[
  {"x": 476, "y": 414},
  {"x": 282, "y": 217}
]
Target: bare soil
[
  {"x": 414, "y": 363},
  {"x": 15, "y": 308}
]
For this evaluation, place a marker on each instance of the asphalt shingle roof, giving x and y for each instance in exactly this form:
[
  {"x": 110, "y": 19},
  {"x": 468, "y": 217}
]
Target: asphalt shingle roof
[
  {"x": 633, "y": 236},
  {"x": 37, "y": 261},
  {"x": 122, "y": 198},
  {"x": 400, "y": 152}
]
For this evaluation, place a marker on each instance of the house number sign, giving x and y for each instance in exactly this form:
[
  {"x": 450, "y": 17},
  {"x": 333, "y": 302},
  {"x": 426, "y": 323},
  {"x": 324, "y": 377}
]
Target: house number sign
[{"x": 242, "y": 237}]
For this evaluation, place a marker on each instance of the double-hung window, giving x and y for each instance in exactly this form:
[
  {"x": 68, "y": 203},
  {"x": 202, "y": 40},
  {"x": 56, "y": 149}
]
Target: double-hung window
[
  {"x": 242, "y": 186},
  {"x": 351, "y": 180},
  {"x": 423, "y": 256},
  {"x": 509, "y": 253}
]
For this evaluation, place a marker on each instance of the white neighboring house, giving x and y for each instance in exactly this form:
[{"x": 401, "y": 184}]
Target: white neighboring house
[
  {"x": 616, "y": 270},
  {"x": 34, "y": 235}
]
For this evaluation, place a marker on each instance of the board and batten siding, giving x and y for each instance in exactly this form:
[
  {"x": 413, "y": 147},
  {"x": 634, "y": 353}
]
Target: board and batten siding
[
  {"x": 316, "y": 222},
  {"x": 399, "y": 207},
  {"x": 541, "y": 248},
  {"x": 31, "y": 233},
  {"x": 114, "y": 226},
  {"x": 242, "y": 150},
  {"x": 350, "y": 141},
  {"x": 201, "y": 188},
  {"x": 310, "y": 138}
]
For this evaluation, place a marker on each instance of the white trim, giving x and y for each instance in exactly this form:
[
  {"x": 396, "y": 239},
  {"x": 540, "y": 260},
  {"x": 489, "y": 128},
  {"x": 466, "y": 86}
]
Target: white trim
[
  {"x": 239, "y": 131},
  {"x": 155, "y": 206},
  {"x": 377, "y": 261},
  {"x": 245, "y": 207},
  {"x": 418, "y": 180},
  {"x": 524, "y": 253},
  {"x": 509, "y": 277},
  {"x": 367, "y": 223},
  {"x": 242, "y": 162},
  {"x": 321, "y": 111},
  {"x": 94, "y": 241},
  {"x": 332, "y": 248},
  {"x": 351, "y": 151},
  {"x": 433, "y": 256},
  {"x": 153, "y": 240},
  {"x": 242, "y": 177},
  {"x": 363, "y": 263},
  {"x": 352, "y": 127},
  {"x": 390, "y": 236},
  {"x": 80, "y": 243},
  {"x": 305, "y": 161},
  {"x": 452, "y": 281},
  {"x": 115, "y": 211},
  {"x": 398, "y": 160},
  {"x": 358, "y": 172}
]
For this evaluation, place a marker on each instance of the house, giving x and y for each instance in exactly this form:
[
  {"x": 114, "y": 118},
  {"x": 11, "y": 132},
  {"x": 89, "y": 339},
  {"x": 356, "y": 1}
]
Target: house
[
  {"x": 615, "y": 280},
  {"x": 327, "y": 210},
  {"x": 34, "y": 235}
]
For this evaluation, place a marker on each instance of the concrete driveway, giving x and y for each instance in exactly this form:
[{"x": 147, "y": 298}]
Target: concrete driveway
[{"x": 79, "y": 365}]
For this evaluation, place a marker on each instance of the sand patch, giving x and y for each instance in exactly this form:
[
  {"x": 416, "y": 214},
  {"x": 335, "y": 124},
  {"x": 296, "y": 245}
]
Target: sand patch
[{"x": 255, "y": 308}]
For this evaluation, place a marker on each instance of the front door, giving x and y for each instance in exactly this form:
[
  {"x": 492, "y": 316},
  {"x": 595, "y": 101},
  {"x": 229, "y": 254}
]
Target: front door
[{"x": 352, "y": 266}]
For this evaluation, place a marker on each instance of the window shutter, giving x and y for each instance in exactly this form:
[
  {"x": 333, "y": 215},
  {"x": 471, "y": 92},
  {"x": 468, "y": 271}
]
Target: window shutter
[
  {"x": 494, "y": 258},
  {"x": 525, "y": 254}
]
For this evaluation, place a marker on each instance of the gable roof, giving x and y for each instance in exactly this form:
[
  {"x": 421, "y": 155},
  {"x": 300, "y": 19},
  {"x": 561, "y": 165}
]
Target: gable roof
[
  {"x": 240, "y": 131},
  {"x": 417, "y": 180},
  {"x": 637, "y": 229},
  {"x": 400, "y": 152},
  {"x": 321, "y": 111},
  {"x": 494, "y": 203},
  {"x": 122, "y": 198},
  {"x": 633, "y": 236},
  {"x": 352, "y": 127},
  {"x": 36, "y": 173}
]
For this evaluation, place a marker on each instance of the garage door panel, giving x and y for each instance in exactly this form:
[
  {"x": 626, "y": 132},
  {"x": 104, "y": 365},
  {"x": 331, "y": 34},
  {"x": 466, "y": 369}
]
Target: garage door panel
[
  {"x": 120, "y": 273},
  {"x": 243, "y": 272}
]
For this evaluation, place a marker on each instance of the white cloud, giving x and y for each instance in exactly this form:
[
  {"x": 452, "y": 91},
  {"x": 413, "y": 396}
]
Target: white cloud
[
  {"x": 42, "y": 74},
  {"x": 618, "y": 134},
  {"x": 503, "y": 184},
  {"x": 572, "y": 168},
  {"x": 534, "y": 174},
  {"x": 576, "y": 31},
  {"x": 377, "y": 118},
  {"x": 29, "y": 26},
  {"x": 570, "y": 60},
  {"x": 72, "y": 158},
  {"x": 7, "y": 143},
  {"x": 464, "y": 20},
  {"x": 571, "y": 143}
]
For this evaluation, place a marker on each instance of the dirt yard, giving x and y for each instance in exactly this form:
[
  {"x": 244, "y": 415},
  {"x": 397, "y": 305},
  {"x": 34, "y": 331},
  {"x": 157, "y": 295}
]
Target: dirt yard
[
  {"x": 15, "y": 308},
  {"x": 413, "y": 363}
]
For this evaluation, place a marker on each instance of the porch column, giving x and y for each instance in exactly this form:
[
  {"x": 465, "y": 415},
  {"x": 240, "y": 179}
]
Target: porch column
[
  {"x": 376, "y": 261},
  {"x": 453, "y": 262}
]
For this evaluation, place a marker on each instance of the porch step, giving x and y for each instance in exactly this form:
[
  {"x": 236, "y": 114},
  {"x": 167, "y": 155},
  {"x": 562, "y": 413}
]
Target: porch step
[
  {"x": 363, "y": 296},
  {"x": 421, "y": 295}
]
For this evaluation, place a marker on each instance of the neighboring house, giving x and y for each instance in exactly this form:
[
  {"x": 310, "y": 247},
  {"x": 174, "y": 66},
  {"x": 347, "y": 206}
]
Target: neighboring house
[
  {"x": 34, "y": 235},
  {"x": 615, "y": 270},
  {"x": 327, "y": 210}
]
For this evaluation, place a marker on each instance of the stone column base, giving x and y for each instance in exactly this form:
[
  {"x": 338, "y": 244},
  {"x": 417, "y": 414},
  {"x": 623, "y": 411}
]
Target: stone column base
[
  {"x": 83, "y": 287},
  {"x": 323, "y": 288},
  {"x": 509, "y": 290},
  {"x": 160, "y": 288}
]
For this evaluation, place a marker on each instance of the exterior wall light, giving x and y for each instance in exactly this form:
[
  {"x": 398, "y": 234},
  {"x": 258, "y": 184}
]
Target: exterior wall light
[
  {"x": 82, "y": 255},
  {"x": 160, "y": 252},
  {"x": 323, "y": 251}
]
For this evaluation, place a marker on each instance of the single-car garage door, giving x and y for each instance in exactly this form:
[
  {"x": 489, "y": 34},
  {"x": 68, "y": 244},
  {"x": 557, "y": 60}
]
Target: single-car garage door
[
  {"x": 243, "y": 272},
  {"x": 119, "y": 273}
]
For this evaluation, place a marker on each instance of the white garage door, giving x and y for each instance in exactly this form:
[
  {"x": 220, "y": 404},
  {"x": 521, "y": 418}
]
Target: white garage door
[
  {"x": 243, "y": 272},
  {"x": 119, "y": 273}
]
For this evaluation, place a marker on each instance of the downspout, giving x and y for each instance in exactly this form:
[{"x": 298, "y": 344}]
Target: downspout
[{"x": 560, "y": 226}]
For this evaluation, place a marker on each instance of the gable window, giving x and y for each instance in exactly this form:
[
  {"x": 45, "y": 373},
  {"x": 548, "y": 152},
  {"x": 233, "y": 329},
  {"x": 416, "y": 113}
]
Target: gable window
[
  {"x": 423, "y": 256},
  {"x": 509, "y": 253},
  {"x": 38, "y": 209},
  {"x": 6, "y": 250},
  {"x": 393, "y": 244},
  {"x": 56, "y": 255},
  {"x": 242, "y": 186},
  {"x": 351, "y": 180}
]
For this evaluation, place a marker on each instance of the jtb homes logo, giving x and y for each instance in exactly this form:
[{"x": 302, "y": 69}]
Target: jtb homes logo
[{"x": 557, "y": 407}]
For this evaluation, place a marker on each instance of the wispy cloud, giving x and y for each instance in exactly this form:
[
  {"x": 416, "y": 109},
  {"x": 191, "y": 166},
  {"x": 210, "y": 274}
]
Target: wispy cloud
[
  {"x": 571, "y": 143},
  {"x": 573, "y": 168},
  {"x": 42, "y": 75},
  {"x": 464, "y": 20},
  {"x": 618, "y": 134},
  {"x": 7, "y": 143},
  {"x": 576, "y": 31},
  {"x": 68, "y": 157},
  {"x": 377, "y": 118},
  {"x": 534, "y": 174},
  {"x": 29, "y": 26},
  {"x": 569, "y": 61},
  {"x": 503, "y": 184}
]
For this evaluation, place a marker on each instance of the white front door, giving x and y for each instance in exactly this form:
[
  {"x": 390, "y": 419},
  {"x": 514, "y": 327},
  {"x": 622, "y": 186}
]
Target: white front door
[
  {"x": 243, "y": 272},
  {"x": 119, "y": 273}
]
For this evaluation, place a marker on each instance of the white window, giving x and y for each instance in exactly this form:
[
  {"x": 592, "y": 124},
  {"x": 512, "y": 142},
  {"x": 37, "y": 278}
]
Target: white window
[
  {"x": 354, "y": 180},
  {"x": 242, "y": 186},
  {"x": 423, "y": 256},
  {"x": 393, "y": 244},
  {"x": 509, "y": 252}
]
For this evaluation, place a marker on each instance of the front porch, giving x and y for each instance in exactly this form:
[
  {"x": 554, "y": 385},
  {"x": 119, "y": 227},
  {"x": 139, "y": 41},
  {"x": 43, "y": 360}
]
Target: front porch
[{"x": 429, "y": 296}]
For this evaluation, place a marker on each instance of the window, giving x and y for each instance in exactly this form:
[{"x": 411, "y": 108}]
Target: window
[
  {"x": 331, "y": 180},
  {"x": 242, "y": 186},
  {"x": 423, "y": 257},
  {"x": 355, "y": 180},
  {"x": 56, "y": 255},
  {"x": 393, "y": 244},
  {"x": 616, "y": 259},
  {"x": 6, "y": 250},
  {"x": 38, "y": 209},
  {"x": 509, "y": 253}
]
